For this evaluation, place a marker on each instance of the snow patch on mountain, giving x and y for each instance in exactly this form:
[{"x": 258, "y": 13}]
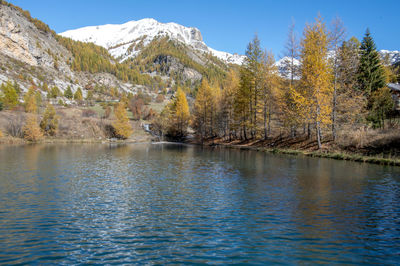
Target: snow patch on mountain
[
  {"x": 392, "y": 56},
  {"x": 124, "y": 40},
  {"x": 283, "y": 67}
]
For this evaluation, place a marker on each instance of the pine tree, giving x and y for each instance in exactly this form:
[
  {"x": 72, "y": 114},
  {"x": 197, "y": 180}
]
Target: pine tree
[
  {"x": 78, "y": 95},
  {"x": 122, "y": 126},
  {"x": 382, "y": 105},
  {"x": 89, "y": 95},
  {"x": 49, "y": 123},
  {"x": 9, "y": 96},
  {"x": 54, "y": 92},
  {"x": 68, "y": 93},
  {"x": 45, "y": 87},
  {"x": 17, "y": 87},
  {"x": 38, "y": 97},
  {"x": 371, "y": 74}
]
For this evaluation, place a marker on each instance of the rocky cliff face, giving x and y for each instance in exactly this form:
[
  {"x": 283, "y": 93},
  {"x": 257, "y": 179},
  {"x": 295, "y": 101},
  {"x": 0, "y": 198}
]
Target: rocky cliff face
[
  {"x": 31, "y": 55},
  {"x": 21, "y": 40},
  {"x": 171, "y": 66}
]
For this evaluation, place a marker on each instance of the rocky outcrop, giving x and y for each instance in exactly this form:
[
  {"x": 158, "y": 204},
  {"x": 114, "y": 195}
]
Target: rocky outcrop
[
  {"x": 170, "y": 65},
  {"x": 21, "y": 40},
  {"x": 30, "y": 55}
]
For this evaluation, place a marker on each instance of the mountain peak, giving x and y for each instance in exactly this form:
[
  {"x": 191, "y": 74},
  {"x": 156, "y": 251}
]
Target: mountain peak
[{"x": 119, "y": 39}]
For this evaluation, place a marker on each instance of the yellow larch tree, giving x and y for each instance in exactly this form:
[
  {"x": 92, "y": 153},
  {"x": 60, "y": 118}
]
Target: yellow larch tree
[
  {"x": 203, "y": 109},
  {"x": 181, "y": 113},
  {"x": 122, "y": 127},
  {"x": 316, "y": 88},
  {"x": 30, "y": 101},
  {"x": 227, "y": 102},
  {"x": 242, "y": 104},
  {"x": 31, "y": 129},
  {"x": 270, "y": 93}
]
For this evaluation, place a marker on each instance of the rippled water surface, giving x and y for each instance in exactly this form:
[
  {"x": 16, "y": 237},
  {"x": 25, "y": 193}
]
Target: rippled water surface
[{"x": 166, "y": 203}]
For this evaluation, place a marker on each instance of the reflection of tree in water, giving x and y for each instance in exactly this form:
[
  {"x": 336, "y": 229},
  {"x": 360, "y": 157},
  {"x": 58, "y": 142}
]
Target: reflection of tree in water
[{"x": 327, "y": 195}]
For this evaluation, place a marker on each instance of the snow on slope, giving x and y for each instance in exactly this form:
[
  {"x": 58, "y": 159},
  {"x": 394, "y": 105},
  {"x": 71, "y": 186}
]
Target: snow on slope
[
  {"x": 283, "y": 69},
  {"x": 393, "y": 56},
  {"x": 117, "y": 38}
]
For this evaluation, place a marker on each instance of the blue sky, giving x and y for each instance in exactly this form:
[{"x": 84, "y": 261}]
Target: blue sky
[{"x": 229, "y": 25}]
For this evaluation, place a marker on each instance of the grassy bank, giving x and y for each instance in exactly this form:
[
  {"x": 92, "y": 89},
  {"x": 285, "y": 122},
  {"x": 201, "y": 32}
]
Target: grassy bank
[
  {"x": 75, "y": 125},
  {"x": 320, "y": 154}
]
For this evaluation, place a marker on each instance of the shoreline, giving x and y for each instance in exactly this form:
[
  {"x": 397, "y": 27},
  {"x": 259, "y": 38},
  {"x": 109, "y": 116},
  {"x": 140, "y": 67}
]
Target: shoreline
[
  {"x": 337, "y": 155},
  {"x": 19, "y": 141},
  {"x": 354, "y": 157}
]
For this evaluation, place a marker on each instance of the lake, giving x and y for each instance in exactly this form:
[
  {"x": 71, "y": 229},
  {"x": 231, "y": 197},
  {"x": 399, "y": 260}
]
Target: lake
[{"x": 179, "y": 204}]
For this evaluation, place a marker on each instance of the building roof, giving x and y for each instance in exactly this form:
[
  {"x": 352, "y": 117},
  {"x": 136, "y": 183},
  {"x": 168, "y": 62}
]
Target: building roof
[{"x": 394, "y": 86}]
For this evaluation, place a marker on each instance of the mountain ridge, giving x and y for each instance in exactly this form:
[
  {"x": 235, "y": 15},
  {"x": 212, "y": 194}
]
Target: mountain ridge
[{"x": 126, "y": 40}]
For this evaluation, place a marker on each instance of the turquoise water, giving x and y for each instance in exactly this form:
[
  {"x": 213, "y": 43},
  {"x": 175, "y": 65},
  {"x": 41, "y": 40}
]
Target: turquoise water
[{"x": 175, "y": 204}]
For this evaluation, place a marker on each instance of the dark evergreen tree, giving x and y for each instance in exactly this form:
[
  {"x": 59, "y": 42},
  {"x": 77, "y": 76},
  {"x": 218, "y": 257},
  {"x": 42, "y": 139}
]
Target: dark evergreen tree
[
  {"x": 68, "y": 93},
  {"x": 370, "y": 74}
]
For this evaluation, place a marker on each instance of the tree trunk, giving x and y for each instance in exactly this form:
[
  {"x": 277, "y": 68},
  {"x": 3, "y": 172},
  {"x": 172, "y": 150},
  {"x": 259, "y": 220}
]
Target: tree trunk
[
  {"x": 255, "y": 111},
  {"x": 318, "y": 127},
  {"x": 293, "y": 131},
  {"x": 319, "y": 135},
  {"x": 269, "y": 121},
  {"x": 265, "y": 123},
  {"x": 334, "y": 105}
]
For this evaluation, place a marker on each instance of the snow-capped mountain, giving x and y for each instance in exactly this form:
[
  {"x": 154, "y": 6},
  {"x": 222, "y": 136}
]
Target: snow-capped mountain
[
  {"x": 126, "y": 40},
  {"x": 282, "y": 65},
  {"x": 392, "y": 56}
]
